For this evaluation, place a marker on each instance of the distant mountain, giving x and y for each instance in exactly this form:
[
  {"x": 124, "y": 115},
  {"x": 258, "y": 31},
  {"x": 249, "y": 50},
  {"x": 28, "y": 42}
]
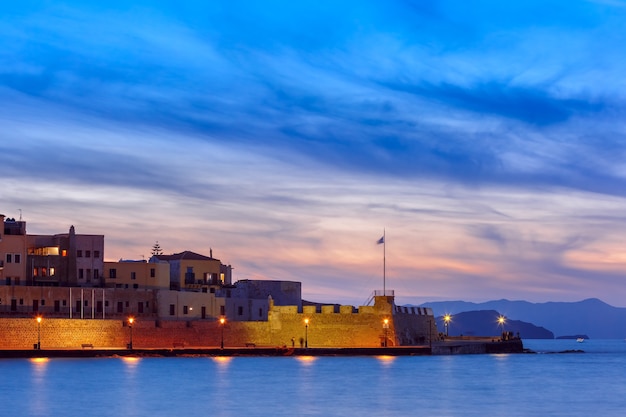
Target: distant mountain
[
  {"x": 590, "y": 317},
  {"x": 484, "y": 323}
]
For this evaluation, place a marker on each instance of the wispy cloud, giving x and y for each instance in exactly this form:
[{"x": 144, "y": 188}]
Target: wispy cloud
[{"x": 488, "y": 139}]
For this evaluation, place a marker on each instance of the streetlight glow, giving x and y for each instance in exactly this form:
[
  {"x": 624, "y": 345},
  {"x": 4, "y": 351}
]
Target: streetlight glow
[
  {"x": 446, "y": 321},
  {"x": 38, "y": 332},
  {"x": 222, "y": 322},
  {"x": 306, "y": 333},
  {"x": 131, "y": 320},
  {"x": 385, "y": 328}
]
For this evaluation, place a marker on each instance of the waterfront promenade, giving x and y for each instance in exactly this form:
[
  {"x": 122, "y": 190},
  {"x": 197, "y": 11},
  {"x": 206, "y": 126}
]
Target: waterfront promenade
[{"x": 468, "y": 346}]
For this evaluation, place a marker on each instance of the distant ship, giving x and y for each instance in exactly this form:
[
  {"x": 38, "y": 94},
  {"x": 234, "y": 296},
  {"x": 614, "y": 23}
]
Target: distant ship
[{"x": 580, "y": 339}]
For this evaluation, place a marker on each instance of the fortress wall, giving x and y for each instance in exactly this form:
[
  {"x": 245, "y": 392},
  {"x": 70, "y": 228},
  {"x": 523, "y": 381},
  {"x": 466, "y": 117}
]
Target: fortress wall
[
  {"x": 414, "y": 329},
  {"x": 327, "y": 328}
]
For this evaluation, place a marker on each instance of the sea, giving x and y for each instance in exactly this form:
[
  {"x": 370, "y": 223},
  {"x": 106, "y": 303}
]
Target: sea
[{"x": 557, "y": 380}]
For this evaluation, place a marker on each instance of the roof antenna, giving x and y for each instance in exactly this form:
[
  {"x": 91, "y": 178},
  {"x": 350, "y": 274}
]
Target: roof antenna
[{"x": 20, "y": 214}]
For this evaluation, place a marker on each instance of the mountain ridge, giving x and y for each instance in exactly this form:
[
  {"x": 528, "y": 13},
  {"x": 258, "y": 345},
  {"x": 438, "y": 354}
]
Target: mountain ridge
[{"x": 590, "y": 316}]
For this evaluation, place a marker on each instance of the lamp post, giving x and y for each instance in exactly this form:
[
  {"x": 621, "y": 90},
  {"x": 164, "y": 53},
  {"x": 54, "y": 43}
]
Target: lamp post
[
  {"x": 385, "y": 329},
  {"x": 222, "y": 322},
  {"x": 131, "y": 320},
  {"x": 501, "y": 321},
  {"x": 38, "y": 332},
  {"x": 446, "y": 321},
  {"x": 306, "y": 333}
]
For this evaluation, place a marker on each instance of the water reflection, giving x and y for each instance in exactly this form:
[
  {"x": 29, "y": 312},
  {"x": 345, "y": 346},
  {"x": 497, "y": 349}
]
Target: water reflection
[
  {"x": 306, "y": 360},
  {"x": 39, "y": 399},
  {"x": 386, "y": 360}
]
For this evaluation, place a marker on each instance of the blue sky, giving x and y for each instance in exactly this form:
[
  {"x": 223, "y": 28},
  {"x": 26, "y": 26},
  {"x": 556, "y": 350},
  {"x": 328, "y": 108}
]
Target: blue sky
[{"x": 487, "y": 139}]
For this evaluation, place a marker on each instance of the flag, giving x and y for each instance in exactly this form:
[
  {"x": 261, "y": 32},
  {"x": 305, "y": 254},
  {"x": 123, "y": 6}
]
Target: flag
[{"x": 380, "y": 241}]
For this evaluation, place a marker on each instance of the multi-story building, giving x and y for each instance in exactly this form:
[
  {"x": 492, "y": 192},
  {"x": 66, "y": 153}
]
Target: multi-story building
[
  {"x": 153, "y": 275},
  {"x": 12, "y": 252},
  {"x": 192, "y": 271},
  {"x": 65, "y": 259}
]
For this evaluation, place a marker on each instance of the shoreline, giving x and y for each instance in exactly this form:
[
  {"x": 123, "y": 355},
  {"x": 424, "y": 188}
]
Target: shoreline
[{"x": 440, "y": 348}]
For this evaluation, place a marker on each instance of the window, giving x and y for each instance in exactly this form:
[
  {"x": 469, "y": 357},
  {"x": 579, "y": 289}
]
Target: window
[
  {"x": 222, "y": 310},
  {"x": 96, "y": 254},
  {"x": 87, "y": 254},
  {"x": 43, "y": 303},
  {"x": 79, "y": 253},
  {"x": 133, "y": 275},
  {"x": 172, "y": 309},
  {"x": 240, "y": 310},
  {"x": 260, "y": 312},
  {"x": 152, "y": 272},
  {"x": 135, "y": 286},
  {"x": 18, "y": 258},
  {"x": 64, "y": 252},
  {"x": 185, "y": 309},
  {"x": 64, "y": 303},
  {"x": 96, "y": 274},
  {"x": 8, "y": 280},
  {"x": 112, "y": 273},
  {"x": 9, "y": 258},
  {"x": 81, "y": 273}
]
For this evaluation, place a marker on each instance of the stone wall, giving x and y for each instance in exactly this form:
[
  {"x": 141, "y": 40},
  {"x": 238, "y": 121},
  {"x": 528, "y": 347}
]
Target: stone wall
[{"x": 328, "y": 328}]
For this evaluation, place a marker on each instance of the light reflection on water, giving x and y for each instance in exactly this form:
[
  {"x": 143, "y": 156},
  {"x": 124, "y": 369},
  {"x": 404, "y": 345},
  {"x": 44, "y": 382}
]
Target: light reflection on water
[{"x": 472, "y": 385}]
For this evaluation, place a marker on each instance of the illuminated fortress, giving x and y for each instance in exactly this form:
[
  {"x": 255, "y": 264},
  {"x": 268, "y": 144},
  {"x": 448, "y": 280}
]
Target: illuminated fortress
[{"x": 175, "y": 301}]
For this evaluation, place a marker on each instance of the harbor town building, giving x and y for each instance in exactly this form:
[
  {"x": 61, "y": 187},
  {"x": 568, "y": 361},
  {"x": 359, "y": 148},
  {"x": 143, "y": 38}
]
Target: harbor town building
[{"x": 174, "y": 300}]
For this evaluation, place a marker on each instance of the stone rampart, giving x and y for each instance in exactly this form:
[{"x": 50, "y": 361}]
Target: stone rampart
[{"x": 330, "y": 327}]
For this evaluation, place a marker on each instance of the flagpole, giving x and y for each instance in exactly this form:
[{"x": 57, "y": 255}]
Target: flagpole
[{"x": 384, "y": 264}]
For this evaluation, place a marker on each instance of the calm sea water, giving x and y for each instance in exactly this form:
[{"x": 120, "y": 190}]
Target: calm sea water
[{"x": 587, "y": 384}]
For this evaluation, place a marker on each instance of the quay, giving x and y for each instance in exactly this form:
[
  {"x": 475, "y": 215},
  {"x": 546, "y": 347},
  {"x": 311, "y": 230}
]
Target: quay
[{"x": 468, "y": 346}]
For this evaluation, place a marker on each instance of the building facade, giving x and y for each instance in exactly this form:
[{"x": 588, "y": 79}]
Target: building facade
[{"x": 12, "y": 252}]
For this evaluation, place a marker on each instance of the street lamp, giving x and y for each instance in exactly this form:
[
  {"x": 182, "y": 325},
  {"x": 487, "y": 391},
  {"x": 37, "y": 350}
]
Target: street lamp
[
  {"x": 446, "y": 321},
  {"x": 306, "y": 333},
  {"x": 501, "y": 321},
  {"x": 38, "y": 332},
  {"x": 385, "y": 328},
  {"x": 222, "y": 322},
  {"x": 131, "y": 320}
]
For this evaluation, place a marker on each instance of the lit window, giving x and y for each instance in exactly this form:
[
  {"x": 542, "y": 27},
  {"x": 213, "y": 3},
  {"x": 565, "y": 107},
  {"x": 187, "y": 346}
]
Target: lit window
[
  {"x": 51, "y": 271},
  {"x": 64, "y": 252}
]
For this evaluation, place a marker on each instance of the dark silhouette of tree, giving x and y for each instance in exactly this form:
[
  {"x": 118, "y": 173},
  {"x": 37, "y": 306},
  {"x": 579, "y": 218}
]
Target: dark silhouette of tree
[{"x": 156, "y": 249}]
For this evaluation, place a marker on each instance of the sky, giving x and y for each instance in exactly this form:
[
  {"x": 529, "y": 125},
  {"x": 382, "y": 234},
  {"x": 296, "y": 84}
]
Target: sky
[{"x": 486, "y": 140}]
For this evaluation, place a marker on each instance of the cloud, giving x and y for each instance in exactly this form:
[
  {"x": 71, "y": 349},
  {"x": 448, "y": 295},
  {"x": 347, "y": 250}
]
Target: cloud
[{"x": 486, "y": 139}]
